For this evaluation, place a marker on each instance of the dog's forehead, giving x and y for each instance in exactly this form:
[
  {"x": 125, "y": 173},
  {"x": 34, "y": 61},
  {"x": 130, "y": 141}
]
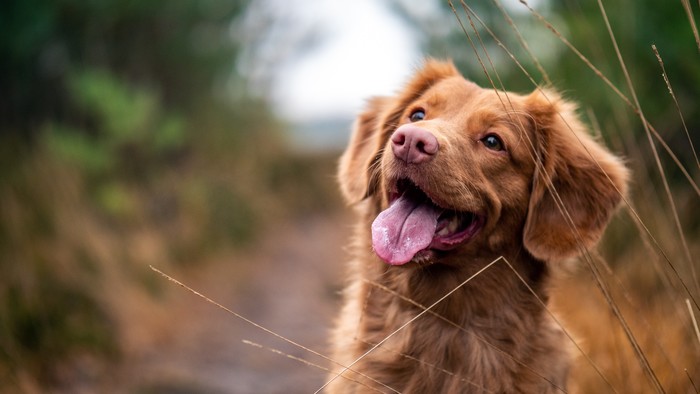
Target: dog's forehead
[
  {"x": 457, "y": 92},
  {"x": 454, "y": 89}
]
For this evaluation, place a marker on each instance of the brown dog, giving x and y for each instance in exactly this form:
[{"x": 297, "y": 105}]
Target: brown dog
[{"x": 446, "y": 178}]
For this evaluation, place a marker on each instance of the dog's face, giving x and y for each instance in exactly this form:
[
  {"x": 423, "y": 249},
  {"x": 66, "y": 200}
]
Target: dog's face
[{"x": 457, "y": 170}]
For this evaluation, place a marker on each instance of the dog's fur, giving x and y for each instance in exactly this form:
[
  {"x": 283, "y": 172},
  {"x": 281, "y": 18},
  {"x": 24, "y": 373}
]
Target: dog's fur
[{"x": 491, "y": 335}]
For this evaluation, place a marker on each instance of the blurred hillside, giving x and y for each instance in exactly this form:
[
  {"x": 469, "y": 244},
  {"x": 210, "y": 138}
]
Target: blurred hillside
[{"x": 129, "y": 137}]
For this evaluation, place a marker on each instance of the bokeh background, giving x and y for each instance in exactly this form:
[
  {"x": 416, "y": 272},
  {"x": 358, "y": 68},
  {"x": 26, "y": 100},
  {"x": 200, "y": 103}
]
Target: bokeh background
[{"x": 200, "y": 137}]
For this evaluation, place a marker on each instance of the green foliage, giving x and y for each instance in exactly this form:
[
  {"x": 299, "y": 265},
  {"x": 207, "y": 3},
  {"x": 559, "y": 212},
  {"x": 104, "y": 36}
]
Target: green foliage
[
  {"x": 117, "y": 150},
  {"x": 126, "y": 118},
  {"x": 123, "y": 114},
  {"x": 180, "y": 49},
  {"x": 637, "y": 25},
  {"x": 131, "y": 138},
  {"x": 79, "y": 149}
]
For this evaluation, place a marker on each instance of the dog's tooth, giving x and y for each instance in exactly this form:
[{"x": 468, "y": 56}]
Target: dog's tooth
[
  {"x": 454, "y": 223},
  {"x": 449, "y": 226}
]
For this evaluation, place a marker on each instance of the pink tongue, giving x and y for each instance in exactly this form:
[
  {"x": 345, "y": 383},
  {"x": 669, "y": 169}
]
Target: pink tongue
[{"x": 404, "y": 229}]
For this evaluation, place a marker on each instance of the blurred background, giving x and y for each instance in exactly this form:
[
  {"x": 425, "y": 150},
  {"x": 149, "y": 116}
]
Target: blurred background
[{"x": 201, "y": 136}]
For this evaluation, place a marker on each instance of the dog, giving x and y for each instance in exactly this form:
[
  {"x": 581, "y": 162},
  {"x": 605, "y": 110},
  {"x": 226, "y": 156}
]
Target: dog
[{"x": 448, "y": 178}]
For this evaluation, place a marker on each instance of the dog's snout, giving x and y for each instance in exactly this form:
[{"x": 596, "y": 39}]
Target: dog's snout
[{"x": 413, "y": 144}]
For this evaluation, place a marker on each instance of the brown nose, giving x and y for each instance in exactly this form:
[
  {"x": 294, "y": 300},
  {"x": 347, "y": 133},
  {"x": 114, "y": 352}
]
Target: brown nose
[{"x": 413, "y": 144}]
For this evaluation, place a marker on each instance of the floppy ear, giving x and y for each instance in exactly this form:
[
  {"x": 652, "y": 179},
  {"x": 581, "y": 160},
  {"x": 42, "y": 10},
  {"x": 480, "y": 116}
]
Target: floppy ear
[
  {"x": 577, "y": 185},
  {"x": 358, "y": 171},
  {"x": 362, "y": 151}
]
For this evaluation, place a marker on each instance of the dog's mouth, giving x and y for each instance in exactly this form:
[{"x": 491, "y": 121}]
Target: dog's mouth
[{"x": 413, "y": 224}]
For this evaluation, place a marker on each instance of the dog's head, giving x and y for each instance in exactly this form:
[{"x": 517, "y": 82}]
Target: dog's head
[{"x": 459, "y": 170}]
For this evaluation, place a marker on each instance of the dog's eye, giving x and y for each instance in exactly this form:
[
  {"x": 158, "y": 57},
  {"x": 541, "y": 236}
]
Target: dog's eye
[
  {"x": 492, "y": 142},
  {"x": 417, "y": 115}
]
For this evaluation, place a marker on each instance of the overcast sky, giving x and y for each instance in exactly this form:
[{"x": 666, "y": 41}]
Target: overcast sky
[{"x": 360, "y": 49}]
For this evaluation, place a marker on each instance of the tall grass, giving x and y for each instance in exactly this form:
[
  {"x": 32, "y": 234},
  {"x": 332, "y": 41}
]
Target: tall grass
[{"x": 638, "y": 331}]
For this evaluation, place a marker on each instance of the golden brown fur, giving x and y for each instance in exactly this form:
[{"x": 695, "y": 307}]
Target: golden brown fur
[{"x": 492, "y": 335}]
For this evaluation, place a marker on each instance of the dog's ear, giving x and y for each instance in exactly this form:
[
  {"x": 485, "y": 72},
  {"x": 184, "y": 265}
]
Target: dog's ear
[
  {"x": 354, "y": 171},
  {"x": 358, "y": 172},
  {"x": 577, "y": 185}
]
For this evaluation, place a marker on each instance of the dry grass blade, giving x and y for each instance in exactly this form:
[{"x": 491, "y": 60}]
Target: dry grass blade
[
  {"x": 689, "y": 11},
  {"x": 675, "y": 101},
  {"x": 281, "y": 353},
  {"x": 476, "y": 51},
  {"x": 469, "y": 14},
  {"x": 603, "y": 287},
  {"x": 522, "y": 41},
  {"x": 549, "y": 26},
  {"x": 301, "y": 360},
  {"x": 648, "y": 133},
  {"x": 617, "y": 91},
  {"x": 626, "y": 293},
  {"x": 692, "y": 317},
  {"x": 535, "y": 157},
  {"x": 450, "y": 322},
  {"x": 575, "y": 50},
  {"x": 433, "y": 366},
  {"x": 690, "y": 141},
  {"x": 380, "y": 343},
  {"x": 691, "y": 381},
  {"x": 256, "y": 325},
  {"x": 638, "y": 350},
  {"x": 599, "y": 281},
  {"x": 568, "y": 335},
  {"x": 510, "y": 54}
]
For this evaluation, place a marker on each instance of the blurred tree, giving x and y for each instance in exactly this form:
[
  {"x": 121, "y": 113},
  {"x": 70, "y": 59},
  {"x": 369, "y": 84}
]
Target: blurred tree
[
  {"x": 180, "y": 49},
  {"x": 116, "y": 119},
  {"x": 464, "y": 32},
  {"x": 636, "y": 25}
]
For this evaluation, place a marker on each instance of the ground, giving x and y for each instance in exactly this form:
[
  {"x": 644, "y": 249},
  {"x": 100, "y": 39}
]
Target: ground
[{"x": 288, "y": 283}]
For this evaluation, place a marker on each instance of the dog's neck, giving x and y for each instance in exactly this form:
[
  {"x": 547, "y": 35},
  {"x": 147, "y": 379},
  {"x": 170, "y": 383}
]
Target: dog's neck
[
  {"x": 464, "y": 291},
  {"x": 493, "y": 320}
]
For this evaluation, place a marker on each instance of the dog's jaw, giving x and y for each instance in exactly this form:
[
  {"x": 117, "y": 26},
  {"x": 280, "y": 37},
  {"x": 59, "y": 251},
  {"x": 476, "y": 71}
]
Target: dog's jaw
[{"x": 414, "y": 226}]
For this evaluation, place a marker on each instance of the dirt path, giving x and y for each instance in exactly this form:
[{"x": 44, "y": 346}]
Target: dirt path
[{"x": 288, "y": 284}]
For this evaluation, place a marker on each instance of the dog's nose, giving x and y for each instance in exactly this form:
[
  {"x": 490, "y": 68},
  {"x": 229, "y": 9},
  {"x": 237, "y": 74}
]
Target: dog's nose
[{"x": 413, "y": 144}]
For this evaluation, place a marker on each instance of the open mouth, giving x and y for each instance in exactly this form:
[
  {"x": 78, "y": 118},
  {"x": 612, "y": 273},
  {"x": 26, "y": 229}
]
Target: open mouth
[{"x": 413, "y": 223}]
